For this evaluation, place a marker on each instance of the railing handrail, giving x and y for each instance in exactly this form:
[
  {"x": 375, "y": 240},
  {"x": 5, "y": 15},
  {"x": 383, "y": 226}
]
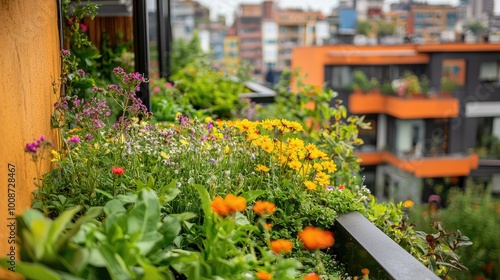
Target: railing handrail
[{"x": 396, "y": 261}]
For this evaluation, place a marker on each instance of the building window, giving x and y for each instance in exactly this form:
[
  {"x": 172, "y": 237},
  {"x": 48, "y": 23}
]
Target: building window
[
  {"x": 489, "y": 71},
  {"x": 488, "y": 138}
]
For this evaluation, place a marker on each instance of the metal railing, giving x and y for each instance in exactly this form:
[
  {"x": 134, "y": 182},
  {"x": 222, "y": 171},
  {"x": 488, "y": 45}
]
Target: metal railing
[{"x": 360, "y": 244}]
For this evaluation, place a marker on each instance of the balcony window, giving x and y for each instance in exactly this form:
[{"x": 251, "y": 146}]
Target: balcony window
[
  {"x": 369, "y": 136},
  {"x": 488, "y": 138},
  {"x": 489, "y": 71},
  {"x": 409, "y": 138}
]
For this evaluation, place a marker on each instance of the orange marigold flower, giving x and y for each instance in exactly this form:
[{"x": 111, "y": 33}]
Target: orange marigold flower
[
  {"x": 268, "y": 226},
  {"x": 281, "y": 246},
  {"x": 365, "y": 271},
  {"x": 262, "y": 275},
  {"x": 235, "y": 203},
  {"x": 264, "y": 208},
  {"x": 220, "y": 206},
  {"x": 315, "y": 238},
  {"x": 312, "y": 276},
  {"x": 408, "y": 203}
]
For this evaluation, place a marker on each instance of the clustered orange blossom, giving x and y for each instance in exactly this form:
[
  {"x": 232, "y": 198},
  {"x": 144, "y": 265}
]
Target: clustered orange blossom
[
  {"x": 263, "y": 275},
  {"x": 264, "y": 208},
  {"x": 231, "y": 204},
  {"x": 314, "y": 238},
  {"x": 281, "y": 246}
]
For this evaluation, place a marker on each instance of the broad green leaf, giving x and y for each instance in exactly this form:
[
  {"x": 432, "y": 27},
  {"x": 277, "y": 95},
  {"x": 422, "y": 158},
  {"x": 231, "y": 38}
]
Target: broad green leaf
[
  {"x": 252, "y": 195},
  {"x": 114, "y": 263},
  {"x": 241, "y": 219},
  {"x": 145, "y": 216},
  {"x": 91, "y": 214},
  {"x": 114, "y": 206},
  {"x": 170, "y": 229},
  {"x": 33, "y": 271},
  {"x": 60, "y": 224}
]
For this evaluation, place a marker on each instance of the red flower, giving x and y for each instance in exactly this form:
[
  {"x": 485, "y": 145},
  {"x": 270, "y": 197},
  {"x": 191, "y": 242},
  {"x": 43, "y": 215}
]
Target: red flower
[{"x": 118, "y": 170}]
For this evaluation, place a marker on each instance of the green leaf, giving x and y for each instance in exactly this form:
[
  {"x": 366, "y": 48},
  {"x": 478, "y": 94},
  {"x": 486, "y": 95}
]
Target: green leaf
[
  {"x": 59, "y": 225},
  {"x": 170, "y": 229},
  {"x": 252, "y": 195},
  {"x": 106, "y": 194},
  {"x": 241, "y": 219},
  {"x": 33, "y": 271},
  {"x": 145, "y": 215},
  {"x": 114, "y": 263},
  {"x": 205, "y": 200},
  {"x": 114, "y": 206},
  {"x": 184, "y": 216}
]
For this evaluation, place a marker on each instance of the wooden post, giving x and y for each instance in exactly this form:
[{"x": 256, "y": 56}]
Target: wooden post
[{"x": 29, "y": 64}]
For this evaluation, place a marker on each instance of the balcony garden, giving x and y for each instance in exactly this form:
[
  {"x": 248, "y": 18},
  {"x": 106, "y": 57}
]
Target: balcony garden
[
  {"x": 405, "y": 98},
  {"x": 193, "y": 190}
]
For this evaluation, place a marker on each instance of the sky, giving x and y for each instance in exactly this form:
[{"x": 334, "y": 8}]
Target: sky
[{"x": 227, "y": 7}]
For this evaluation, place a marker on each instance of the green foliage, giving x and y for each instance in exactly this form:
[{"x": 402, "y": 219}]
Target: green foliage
[
  {"x": 489, "y": 147},
  {"x": 361, "y": 82},
  {"x": 475, "y": 27},
  {"x": 385, "y": 28},
  {"x": 448, "y": 85},
  {"x": 364, "y": 28},
  {"x": 387, "y": 89},
  {"x": 475, "y": 212}
]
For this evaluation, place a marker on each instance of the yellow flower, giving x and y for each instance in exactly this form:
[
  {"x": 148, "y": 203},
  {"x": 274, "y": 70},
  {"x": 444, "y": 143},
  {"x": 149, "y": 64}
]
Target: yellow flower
[
  {"x": 310, "y": 185},
  {"x": 208, "y": 119},
  {"x": 184, "y": 142},
  {"x": 56, "y": 156},
  {"x": 318, "y": 167},
  {"x": 135, "y": 120},
  {"x": 262, "y": 168},
  {"x": 408, "y": 203},
  {"x": 96, "y": 146},
  {"x": 329, "y": 165},
  {"x": 164, "y": 155},
  {"x": 358, "y": 141},
  {"x": 178, "y": 114},
  {"x": 227, "y": 150},
  {"x": 322, "y": 179},
  {"x": 107, "y": 151},
  {"x": 295, "y": 165}
]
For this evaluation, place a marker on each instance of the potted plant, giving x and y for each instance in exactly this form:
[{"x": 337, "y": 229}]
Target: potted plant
[
  {"x": 448, "y": 86},
  {"x": 387, "y": 89},
  {"x": 408, "y": 86},
  {"x": 361, "y": 84}
]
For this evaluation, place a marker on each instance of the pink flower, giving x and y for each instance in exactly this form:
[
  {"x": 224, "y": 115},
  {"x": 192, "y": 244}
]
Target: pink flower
[
  {"x": 168, "y": 85},
  {"x": 83, "y": 27},
  {"x": 70, "y": 21},
  {"x": 74, "y": 139},
  {"x": 156, "y": 90}
]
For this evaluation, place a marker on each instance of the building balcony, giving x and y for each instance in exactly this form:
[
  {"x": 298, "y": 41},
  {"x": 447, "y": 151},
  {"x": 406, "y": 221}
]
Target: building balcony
[
  {"x": 424, "y": 167},
  {"x": 404, "y": 108}
]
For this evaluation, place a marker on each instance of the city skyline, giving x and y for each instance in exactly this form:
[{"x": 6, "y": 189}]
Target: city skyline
[{"x": 228, "y": 7}]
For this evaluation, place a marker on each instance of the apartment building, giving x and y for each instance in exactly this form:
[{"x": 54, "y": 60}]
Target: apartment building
[
  {"x": 419, "y": 143},
  {"x": 249, "y": 22},
  {"x": 186, "y": 16},
  {"x": 231, "y": 58},
  {"x": 432, "y": 23}
]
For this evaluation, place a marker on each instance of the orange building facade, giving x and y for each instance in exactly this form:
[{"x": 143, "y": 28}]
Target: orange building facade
[{"x": 422, "y": 140}]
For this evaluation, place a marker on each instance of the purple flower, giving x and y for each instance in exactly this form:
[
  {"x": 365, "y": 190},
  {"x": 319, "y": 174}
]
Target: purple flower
[
  {"x": 212, "y": 160},
  {"x": 89, "y": 137},
  {"x": 82, "y": 73},
  {"x": 330, "y": 188},
  {"x": 210, "y": 125},
  {"x": 31, "y": 147},
  {"x": 74, "y": 139},
  {"x": 65, "y": 53}
]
